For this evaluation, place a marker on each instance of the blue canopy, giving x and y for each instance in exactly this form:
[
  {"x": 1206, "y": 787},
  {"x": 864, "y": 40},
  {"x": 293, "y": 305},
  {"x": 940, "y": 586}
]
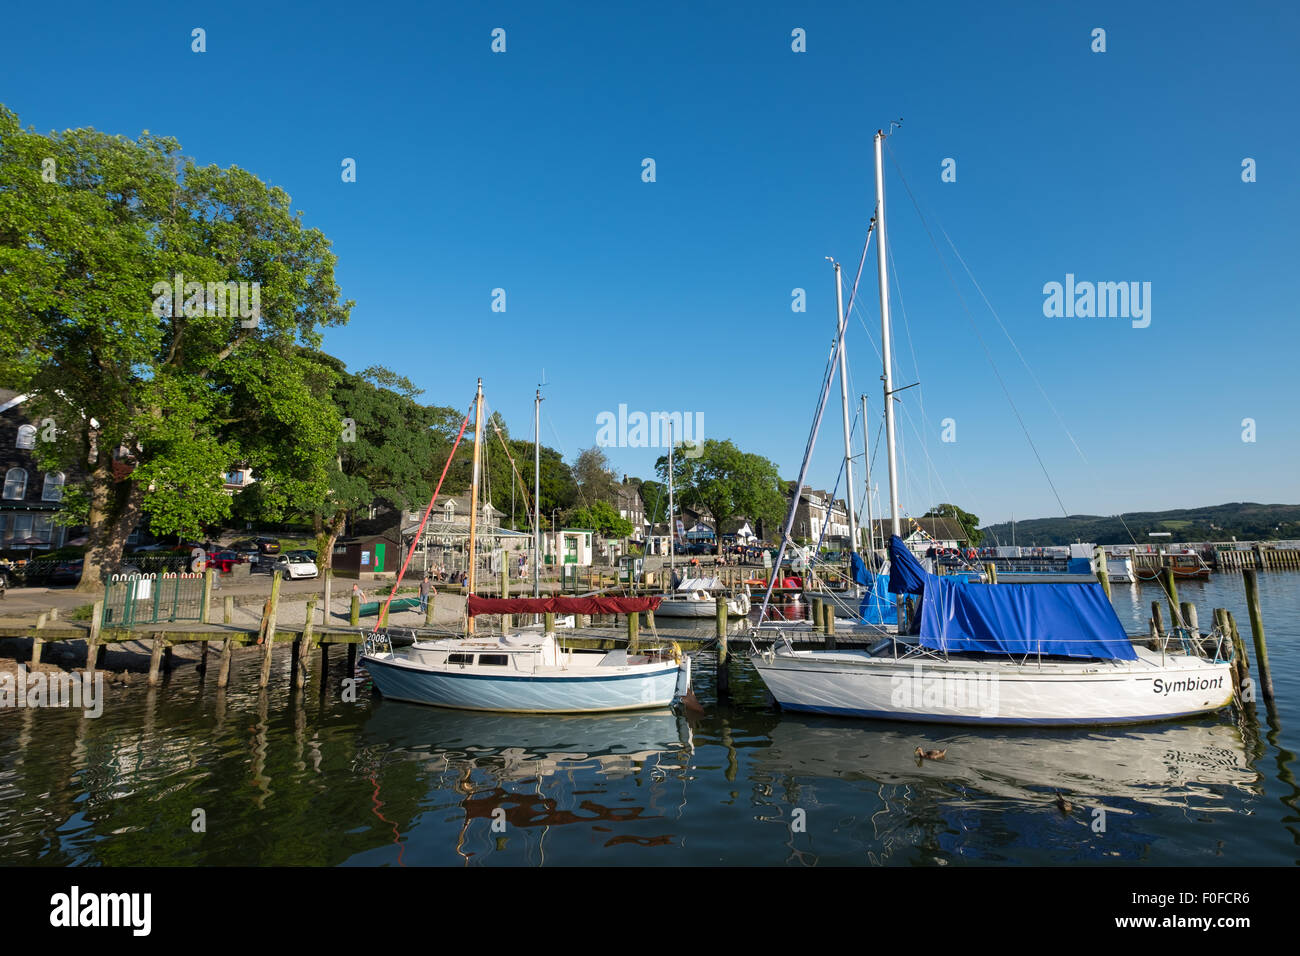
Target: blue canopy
[
  {"x": 858, "y": 569},
  {"x": 877, "y": 606},
  {"x": 906, "y": 576},
  {"x": 1070, "y": 620}
]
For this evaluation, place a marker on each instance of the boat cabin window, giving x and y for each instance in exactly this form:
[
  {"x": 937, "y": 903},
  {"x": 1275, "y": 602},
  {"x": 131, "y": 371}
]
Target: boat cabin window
[
  {"x": 460, "y": 658},
  {"x": 494, "y": 660}
]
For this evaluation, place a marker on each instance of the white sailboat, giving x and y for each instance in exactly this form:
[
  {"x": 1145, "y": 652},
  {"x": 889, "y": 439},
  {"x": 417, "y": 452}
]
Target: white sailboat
[
  {"x": 1036, "y": 654},
  {"x": 526, "y": 672}
]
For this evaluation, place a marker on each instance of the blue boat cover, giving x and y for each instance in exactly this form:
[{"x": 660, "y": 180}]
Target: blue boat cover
[
  {"x": 877, "y": 606},
  {"x": 906, "y": 576},
  {"x": 858, "y": 569},
  {"x": 1068, "y": 620}
]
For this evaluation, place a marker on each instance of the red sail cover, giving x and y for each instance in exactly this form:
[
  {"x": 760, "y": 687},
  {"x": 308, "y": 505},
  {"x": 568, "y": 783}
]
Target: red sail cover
[{"x": 561, "y": 605}]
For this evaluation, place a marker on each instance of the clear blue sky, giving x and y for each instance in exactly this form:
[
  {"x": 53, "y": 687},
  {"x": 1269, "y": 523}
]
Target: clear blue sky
[{"x": 522, "y": 171}]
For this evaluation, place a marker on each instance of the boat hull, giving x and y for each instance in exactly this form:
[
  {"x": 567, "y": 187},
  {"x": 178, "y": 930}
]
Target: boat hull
[
  {"x": 1091, "y": 693},
  {"x": 631, "y": 688}
]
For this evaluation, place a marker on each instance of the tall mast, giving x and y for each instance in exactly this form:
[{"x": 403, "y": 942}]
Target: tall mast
[
  {"x": 866, "y": 465},
  {"x": 537, "y": 491},
  {"x": 672, "y": 525},
  {"x": 473, "y": 494},
  {"x": 886, "y": 359},
  {"x": 844, "y": 401}
]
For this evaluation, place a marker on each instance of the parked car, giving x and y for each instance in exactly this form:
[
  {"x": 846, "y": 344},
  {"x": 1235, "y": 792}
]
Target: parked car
[
  {"x": 67, "y": 572},
  {"x": 294, "y": 565},
  {"x": 223, "y": 561}
]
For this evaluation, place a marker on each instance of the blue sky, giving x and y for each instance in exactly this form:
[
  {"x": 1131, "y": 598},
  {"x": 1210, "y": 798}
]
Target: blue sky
[{"x": 522, "y": 170}]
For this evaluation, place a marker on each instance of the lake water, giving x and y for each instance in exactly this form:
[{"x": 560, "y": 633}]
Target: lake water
[{"x": 285, "y": 779}]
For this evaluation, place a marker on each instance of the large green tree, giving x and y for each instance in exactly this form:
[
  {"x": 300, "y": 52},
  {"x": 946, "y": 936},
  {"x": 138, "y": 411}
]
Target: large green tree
[
  {"x": 970, "y": 524},
  {"x": 154, "y": 392},
  {"x": 728, "y": 482},
  {"x": 391, "y": 448},
  {"x": 602, "y": 518}
]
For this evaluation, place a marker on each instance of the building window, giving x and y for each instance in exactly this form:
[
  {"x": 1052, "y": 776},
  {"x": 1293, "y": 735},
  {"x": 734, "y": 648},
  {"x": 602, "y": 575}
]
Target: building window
[
  {"x": 15, "y": 484},
  {"x": 53, "y": 490},
  {"x": 43, "y": 531},
  {"x": 26, "y": 436}
]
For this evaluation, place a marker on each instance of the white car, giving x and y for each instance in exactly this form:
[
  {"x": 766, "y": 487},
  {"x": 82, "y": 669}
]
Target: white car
[{"x": 295, "y": 565}]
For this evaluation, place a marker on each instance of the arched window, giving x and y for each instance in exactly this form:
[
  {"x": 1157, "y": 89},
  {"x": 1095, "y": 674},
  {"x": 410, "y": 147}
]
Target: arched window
[
  {"x": 15, "y": 484},
  {"x": 26, "y": 436},
  {"x": 53, "y": 490}
]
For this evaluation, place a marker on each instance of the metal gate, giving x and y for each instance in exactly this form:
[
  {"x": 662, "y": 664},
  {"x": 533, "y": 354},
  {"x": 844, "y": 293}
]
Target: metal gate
[{"x": 152, "y": 598}]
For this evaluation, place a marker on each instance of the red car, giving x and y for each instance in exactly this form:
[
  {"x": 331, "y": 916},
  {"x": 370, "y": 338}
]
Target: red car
[{"x": 223, "y": 561}]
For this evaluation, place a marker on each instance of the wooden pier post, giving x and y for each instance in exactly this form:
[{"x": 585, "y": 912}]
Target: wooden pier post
[
  {"x": 329, "y": 592},
  {"x": 991, "y": 570},
  {"x": 428, "y": 610},
  {"x": 505, "y": 577},
  {"x": 724, "y": 674},
  {"x": 37, "y": 643},
  {"x": 818, "y": 622},
  {"x": 828, "y": 612},
  {"x": 92, "y": 643},
  {"x": 633, "y": 637},
  {"x": 1157, "y": 615},
  {"x": 352, "y": 659},
  {"x": 1239, "y": 648},
  {"x": 548, "y": 622},
  {"x": 155, "y": 659},
  {"x": 223, "y": 666},
  {"x": 354, "y": 612},
  {"x": 268, "y": 629},
  {"x": 1257, "y": 633},
  {"x": 1171, "y": 591},
  {"x": 324, "y": 667},
  {"x": 302, "y": 646},
  {"x": 205, "y": 610},
  {"x": 650, "y": 619},
  {"x": 228, "y": 609},
  {"x": 1103, "y": 571}
]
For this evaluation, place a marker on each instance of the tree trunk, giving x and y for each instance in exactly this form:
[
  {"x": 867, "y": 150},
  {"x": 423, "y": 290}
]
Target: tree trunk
[
  {"x": 335, "y": 529},
  {"x": 114, "y": 513}
]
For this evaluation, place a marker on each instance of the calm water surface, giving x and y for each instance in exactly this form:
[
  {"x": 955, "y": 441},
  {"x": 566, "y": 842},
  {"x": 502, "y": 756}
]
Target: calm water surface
[{"x": 288, "y": 779}]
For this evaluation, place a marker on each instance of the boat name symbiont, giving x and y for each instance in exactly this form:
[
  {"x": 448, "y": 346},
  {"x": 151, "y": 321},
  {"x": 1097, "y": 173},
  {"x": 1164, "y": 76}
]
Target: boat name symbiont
[
  {"x": 1163, "y": 687},
  {"x": 72, "y": 909},
  {"x": 53, "y": 690},
  {"x": 945, "y": 692},
  {"x": 1102, "y": 300}
]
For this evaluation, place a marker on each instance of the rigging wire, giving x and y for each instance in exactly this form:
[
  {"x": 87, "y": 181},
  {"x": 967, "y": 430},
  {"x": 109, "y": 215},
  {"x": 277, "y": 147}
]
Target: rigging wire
[{"x": 980, "y": 338}]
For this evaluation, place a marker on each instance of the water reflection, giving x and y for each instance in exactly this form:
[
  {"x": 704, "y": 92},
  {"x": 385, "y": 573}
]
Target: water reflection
[{"x": 518, "y": 776}]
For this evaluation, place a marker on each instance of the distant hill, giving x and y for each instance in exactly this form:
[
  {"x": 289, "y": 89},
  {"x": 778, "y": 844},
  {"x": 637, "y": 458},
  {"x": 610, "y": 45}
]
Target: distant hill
[{"x": 1244, "y": 520}]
